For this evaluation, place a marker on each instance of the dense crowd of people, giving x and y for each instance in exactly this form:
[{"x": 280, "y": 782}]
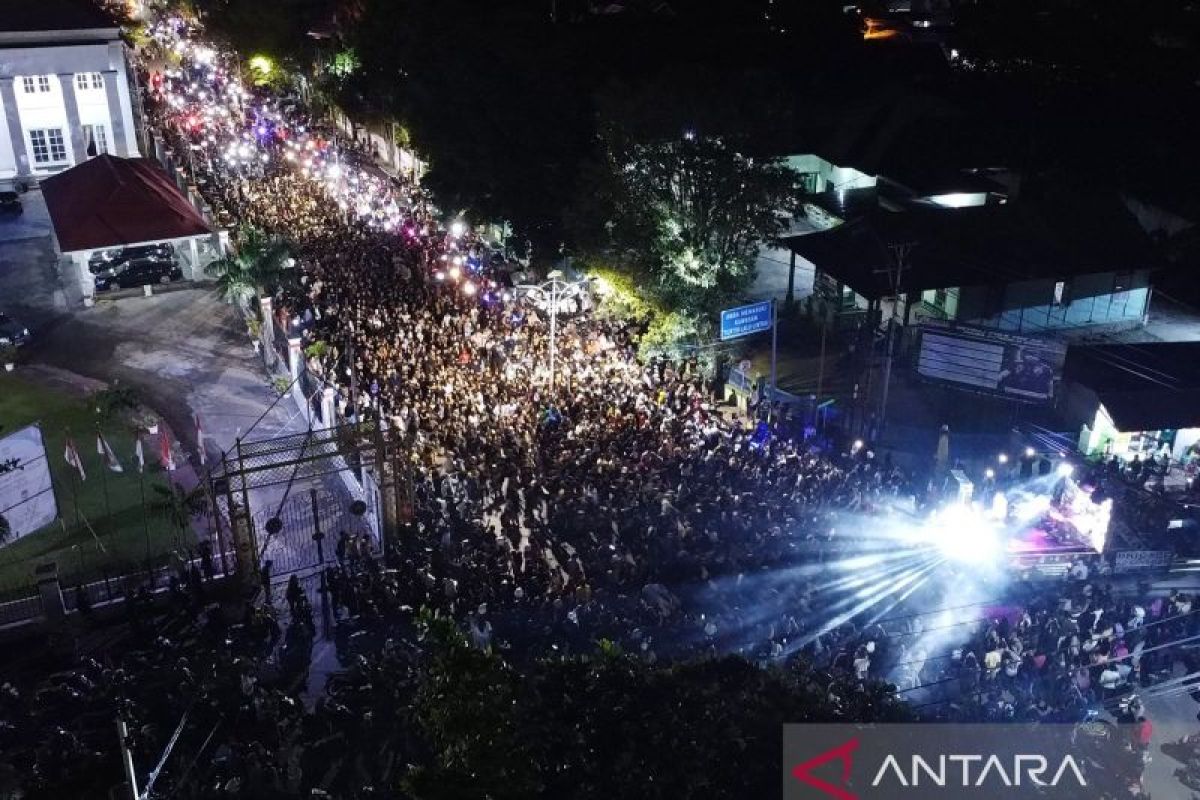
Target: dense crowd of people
[{"x": 621, "y": 502}]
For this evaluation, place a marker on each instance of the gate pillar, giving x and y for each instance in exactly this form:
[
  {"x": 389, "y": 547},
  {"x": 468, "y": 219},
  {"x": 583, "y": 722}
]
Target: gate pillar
[{"x": 244, "y": 549}]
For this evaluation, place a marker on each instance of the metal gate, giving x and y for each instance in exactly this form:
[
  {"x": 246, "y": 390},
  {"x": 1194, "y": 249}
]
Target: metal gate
[
  {"x": 298, "y": 503},
  {"x": 302, "y": 534}
]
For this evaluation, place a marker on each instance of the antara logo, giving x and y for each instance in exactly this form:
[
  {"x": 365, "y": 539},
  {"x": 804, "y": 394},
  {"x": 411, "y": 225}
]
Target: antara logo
[
  {"x": 843, "y": 753},
  {"x": 969, "y": 770},
  {"x": 1033, "y": 767}
]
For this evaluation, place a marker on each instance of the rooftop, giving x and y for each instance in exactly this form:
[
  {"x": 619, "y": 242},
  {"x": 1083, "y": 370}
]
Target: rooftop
[
  {"x": 1144, "y": 387},
  {"x": 35, "y": 16},
  {"x": 108, "y": 201},
  {"x": 1058, "y": 235}
]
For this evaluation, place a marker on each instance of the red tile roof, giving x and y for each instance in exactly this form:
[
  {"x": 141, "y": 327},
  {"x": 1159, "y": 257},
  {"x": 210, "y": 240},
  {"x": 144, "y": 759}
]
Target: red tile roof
[{"x": 108, "y": 201}]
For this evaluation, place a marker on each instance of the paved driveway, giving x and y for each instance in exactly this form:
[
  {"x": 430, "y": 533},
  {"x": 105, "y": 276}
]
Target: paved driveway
[
  {"x": 184, "y": 351},
  {"x": 28, "y": 272}
]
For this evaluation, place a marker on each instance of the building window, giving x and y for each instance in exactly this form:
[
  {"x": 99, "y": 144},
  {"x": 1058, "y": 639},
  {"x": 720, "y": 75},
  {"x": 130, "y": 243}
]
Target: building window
[
  {"x": 97, "y": 139},
  {"x": 88, "y": 81},
  {"x": 48, "y": 146},
  {"x": 35, "y": 83}
]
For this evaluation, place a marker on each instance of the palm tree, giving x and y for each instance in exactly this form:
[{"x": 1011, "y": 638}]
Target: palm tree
[
  {"x": 260, "y": 261},
  {"x": 179, "y": 505}
]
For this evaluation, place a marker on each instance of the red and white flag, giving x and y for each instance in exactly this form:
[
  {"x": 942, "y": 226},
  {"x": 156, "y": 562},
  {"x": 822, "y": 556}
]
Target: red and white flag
[
  {"x": 200, "y": 441},
  {"x": 72, "y": 457},
  {"x": 140, "y": 455},
  {"x": 165, "y": 457},
  {"x": 106, "y": 453}
]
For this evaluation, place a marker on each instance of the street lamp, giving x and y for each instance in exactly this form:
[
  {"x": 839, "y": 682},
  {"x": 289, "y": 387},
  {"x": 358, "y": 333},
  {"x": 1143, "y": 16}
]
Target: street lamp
[{"x": 551, "y": 294}]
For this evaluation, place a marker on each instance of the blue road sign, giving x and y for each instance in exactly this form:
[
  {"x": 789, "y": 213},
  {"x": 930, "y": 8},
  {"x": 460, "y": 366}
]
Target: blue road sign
[{"x": 745, "y": 320}]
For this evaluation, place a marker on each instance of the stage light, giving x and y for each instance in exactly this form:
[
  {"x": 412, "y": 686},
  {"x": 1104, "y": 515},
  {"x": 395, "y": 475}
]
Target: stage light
[
  {"x": 858, "y": 445},
  {"x": 989, "y": 473},
  {"x": 1065, "y": 470},
  {"x": 469, "y": 288},
  {"x": 457, "y": 229},
  {"x": 1002, "y": 458},
  {"x": 455, "y": 273},
  {"x": 999, "y": 506},
  {"x": 964, "y": 535},
  {"x": 1026, "y": 509},
  {"x": 1030, "y": 452}
]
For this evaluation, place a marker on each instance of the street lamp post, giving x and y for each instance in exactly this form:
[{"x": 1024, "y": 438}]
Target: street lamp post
[{"x": 553, "y": 292}]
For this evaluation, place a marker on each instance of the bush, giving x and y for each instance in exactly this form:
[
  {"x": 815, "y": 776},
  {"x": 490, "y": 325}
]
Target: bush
[
  {"x": 621, "y": 297},
  {"x": 669, "y": 334},
  {"x": 113, "y": 402}
]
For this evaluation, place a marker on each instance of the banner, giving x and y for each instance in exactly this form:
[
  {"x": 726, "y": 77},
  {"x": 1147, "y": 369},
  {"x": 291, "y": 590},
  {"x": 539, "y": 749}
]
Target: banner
[
  {"x": 1134, "y": 560},
  {"x": 1015, "y": 366},
  {"x": 26, "y": 494}
]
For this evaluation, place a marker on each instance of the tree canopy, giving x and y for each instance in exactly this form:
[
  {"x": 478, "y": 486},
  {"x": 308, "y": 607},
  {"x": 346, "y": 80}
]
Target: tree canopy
[
  {"x": 259, "y": 261},
  {"x": 611, "y": 725},
  {"x": 701, "y": 209}
]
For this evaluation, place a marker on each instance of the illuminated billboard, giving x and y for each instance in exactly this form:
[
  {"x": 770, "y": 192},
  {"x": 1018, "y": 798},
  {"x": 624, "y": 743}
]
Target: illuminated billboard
[{"x": 1015, "y": 366}]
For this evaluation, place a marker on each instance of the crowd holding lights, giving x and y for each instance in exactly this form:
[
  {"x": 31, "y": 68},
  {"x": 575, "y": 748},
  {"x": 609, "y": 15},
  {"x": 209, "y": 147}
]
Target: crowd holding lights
[{"x": 243, "y": 135}]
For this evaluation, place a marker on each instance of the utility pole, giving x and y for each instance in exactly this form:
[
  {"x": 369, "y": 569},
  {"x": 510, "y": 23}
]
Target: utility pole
[
  {"x": 820, "y": 377},
  {"x": 895, "y": 274},
  {"x": 553, "y": 328},
  {"x": 127, "y": 759},
  {"x": 774, "y": 351}
]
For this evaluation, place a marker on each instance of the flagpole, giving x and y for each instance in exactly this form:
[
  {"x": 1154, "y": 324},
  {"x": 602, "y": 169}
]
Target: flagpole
[
  {"x": 104, "y": 468},
  {"x": 145, "y": 521},
  {"x": 74, "y": 477}
]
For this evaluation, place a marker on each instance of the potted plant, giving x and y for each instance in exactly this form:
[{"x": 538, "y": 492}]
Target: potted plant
[
  {"x": 8, "y": 357},
  {"x": 146, "y": 420}
]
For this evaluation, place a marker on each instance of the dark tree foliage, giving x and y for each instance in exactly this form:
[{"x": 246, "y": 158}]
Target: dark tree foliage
[
  {"x": 612, "y": 726},
  {"x": 509, "y": 107},
  {"x": 489, "y": 95},
  {"x": 278, "y": 29}
]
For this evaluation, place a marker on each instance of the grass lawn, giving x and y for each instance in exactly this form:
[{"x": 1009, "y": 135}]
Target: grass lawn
[{"x": 111, "y": 502}]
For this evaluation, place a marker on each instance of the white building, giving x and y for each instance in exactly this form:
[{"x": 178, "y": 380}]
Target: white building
[{"x": 65, "y": 88}]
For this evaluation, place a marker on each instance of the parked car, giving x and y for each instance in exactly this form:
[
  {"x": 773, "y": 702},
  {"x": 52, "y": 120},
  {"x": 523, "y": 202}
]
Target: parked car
[
  {"x": 141, "y": 272},
  {"x": 10, "y": 203},
  {"x": 111, "y": 259},
  {"x": 11, "y": 331}
]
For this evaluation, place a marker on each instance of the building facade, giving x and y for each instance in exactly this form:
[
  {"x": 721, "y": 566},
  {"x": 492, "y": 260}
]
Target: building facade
[{"x": 66, "y": 92}]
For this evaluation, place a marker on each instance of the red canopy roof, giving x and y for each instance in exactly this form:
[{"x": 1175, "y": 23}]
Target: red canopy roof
[{"x": 108, "y": 201}]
